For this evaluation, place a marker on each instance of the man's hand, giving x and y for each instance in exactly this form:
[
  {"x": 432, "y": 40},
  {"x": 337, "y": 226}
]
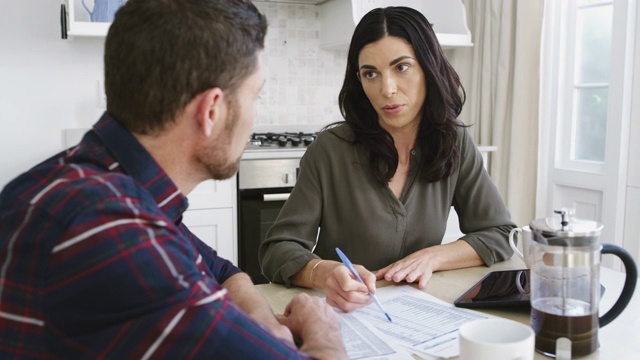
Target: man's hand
[
  {"x": 245, "y": 295},
  {"x": 316, "y": 324}
]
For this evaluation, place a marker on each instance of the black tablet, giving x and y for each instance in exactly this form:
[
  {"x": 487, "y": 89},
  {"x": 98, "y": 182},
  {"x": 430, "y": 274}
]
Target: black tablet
[{"x": 508, "y": 288}]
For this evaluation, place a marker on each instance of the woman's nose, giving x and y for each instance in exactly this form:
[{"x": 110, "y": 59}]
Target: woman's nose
[{"x": 388, "y": 86}]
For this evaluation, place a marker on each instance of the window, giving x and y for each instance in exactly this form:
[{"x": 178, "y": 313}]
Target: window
[{"x": 587, "y": 61}]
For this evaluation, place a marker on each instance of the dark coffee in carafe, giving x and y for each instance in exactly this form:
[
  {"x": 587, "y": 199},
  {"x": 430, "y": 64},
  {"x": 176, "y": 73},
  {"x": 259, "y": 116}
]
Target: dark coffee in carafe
[{"x": 581, "y": 330}]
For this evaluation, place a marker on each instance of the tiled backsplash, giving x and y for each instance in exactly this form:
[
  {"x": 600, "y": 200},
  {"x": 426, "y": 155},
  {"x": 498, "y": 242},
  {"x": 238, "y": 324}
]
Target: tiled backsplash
[{"x": 302, "y": 80}]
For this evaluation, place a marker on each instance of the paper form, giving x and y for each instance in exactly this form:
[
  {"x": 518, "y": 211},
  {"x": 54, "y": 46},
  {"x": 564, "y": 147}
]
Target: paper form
[
  {"x": 421, "y": 323},
  {"x": 362, "y": 342}
]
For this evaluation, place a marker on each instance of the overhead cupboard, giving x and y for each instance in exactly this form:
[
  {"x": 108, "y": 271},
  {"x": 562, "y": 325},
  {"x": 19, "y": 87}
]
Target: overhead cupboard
[{"x": 447, "y": 17}]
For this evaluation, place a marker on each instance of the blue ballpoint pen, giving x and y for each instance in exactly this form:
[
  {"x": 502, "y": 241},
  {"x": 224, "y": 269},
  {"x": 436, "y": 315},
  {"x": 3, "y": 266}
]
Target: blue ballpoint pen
[{"x": 349, "y": 266}]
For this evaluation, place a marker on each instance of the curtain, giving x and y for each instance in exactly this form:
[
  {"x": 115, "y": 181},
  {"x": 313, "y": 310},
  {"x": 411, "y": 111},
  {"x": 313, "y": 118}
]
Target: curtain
[{"x": 500, "y": 74}]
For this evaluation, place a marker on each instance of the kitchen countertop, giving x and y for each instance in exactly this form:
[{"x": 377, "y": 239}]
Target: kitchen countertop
[
  {"x": 296, "y": 153},
  {"x": 288, "y": 153}
]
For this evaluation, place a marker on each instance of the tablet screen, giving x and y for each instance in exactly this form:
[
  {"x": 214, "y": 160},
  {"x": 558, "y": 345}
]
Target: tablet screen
[
  {"x": 508, "y": 288},
  {"x": 498, "y": 288}
]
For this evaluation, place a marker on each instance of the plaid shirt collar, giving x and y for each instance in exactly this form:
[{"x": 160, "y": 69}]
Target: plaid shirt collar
[{"x": 135, "y": 161}]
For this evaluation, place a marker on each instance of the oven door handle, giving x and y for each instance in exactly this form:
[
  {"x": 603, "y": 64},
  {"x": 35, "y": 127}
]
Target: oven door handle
[{"x": 275, "y": 197}]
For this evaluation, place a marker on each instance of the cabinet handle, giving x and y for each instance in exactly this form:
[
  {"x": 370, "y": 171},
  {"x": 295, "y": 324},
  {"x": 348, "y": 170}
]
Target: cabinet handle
[{"x": 275, "y": 197}]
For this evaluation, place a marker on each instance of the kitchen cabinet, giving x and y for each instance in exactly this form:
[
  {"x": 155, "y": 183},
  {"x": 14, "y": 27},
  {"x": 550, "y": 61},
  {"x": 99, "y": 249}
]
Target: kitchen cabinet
[
  {"x": 339, "y": 19},
  {"x": 299, "y": 2},
  {"x": 212, "y": 216}
]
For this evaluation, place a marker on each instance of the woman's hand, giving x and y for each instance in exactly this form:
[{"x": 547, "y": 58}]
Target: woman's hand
[
  {"x": 342, "y": 289},
  {"x": 418, "y": 266}
]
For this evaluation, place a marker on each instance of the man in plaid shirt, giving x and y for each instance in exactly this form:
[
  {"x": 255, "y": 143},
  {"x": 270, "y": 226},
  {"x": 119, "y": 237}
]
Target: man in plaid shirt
[{"x": 94, "y": 259}]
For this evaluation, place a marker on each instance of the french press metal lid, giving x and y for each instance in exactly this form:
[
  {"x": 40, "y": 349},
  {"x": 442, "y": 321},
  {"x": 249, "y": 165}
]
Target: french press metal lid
[{"x": 565, "y": 230}]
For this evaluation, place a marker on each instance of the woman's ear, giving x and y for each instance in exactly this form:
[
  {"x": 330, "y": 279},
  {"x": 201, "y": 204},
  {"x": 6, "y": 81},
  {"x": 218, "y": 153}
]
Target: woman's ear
[{"x": 211, "y": 109}]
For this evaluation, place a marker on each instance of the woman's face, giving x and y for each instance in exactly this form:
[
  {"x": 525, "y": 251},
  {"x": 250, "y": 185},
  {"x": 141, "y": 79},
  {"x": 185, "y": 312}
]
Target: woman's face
[{"x": 394, "y": 82}]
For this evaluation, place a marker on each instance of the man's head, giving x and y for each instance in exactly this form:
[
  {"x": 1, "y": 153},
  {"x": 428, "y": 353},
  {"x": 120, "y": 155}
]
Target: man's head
[{"x": 160, "y": 54}]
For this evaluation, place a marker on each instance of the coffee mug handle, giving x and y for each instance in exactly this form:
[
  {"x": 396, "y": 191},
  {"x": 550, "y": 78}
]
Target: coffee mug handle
[
  {"x": 629, "y": 283},
  {"x": 512, "y": 242}
]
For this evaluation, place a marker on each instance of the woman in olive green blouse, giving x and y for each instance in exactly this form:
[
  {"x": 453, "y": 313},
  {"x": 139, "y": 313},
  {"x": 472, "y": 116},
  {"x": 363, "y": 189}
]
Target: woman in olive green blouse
[{"x": 381, "y": 184}]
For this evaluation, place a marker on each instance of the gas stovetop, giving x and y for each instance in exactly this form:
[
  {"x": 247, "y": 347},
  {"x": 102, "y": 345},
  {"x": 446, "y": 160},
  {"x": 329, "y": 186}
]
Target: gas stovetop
[{"x": 280, "y": 141}]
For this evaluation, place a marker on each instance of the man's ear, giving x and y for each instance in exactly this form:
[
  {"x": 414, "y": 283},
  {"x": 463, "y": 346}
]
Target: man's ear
[{"x": 211, "y": 109}]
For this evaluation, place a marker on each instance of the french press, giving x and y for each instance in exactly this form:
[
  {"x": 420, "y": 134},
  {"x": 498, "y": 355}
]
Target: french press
[{"x": 565, "y": 284}]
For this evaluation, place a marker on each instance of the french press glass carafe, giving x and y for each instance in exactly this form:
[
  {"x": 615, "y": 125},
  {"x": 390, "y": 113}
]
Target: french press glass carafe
[{"x": 565, "y": 284}]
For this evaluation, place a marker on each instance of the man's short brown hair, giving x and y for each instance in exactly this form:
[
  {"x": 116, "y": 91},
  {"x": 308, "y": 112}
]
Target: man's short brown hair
[{"x": 160, "y": 54}]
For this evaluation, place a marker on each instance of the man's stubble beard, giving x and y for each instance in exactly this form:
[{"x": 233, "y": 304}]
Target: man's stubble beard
[{"x": 215, "y": 157}]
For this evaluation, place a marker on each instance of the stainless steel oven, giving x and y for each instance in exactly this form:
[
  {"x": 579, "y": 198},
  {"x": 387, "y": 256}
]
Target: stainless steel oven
[{"x": 268, "y": 171}]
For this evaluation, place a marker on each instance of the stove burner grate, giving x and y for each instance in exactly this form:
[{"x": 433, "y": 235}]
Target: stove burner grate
[{"x": 287, "y": 139}]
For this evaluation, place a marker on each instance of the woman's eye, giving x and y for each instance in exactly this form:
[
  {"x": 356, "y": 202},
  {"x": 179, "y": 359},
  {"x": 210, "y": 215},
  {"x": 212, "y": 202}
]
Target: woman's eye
[
  {"x": 369, "y": 75},
  {"x": 403, "y": 67}
]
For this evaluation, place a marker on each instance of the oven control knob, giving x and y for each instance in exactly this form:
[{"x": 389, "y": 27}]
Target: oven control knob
[{"x": 289, "y": 178}]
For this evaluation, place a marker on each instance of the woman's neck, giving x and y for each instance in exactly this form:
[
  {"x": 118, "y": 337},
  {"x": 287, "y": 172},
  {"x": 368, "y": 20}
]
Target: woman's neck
[{"x": 404, "y": 142}]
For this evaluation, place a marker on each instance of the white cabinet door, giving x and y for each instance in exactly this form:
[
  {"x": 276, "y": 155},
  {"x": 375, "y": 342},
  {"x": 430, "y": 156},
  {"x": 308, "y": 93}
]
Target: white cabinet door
[
  {"x": 212, "y": 216},
  {"x": 213, "y": 194},
  {"x": 216, "y": 228}
]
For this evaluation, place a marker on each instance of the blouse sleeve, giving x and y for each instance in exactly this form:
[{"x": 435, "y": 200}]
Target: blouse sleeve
[
  {"x": 484, "y": 218},
  {"x": 288, "y": 245}
]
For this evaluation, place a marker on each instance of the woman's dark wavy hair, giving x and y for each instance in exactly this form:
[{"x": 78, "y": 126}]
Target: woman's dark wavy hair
[{"x": 436, "y": 138}]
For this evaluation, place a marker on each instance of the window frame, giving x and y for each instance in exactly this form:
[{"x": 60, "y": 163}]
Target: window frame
[{"x": 567, "y": 102}]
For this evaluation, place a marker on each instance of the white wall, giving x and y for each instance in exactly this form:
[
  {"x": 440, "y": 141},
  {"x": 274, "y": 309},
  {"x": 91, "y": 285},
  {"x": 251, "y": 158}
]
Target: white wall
[{"x": 48, "y": 84}]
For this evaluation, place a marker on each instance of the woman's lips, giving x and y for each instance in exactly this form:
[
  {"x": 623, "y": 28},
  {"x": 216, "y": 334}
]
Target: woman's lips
[{"x": 392, "y": 109}]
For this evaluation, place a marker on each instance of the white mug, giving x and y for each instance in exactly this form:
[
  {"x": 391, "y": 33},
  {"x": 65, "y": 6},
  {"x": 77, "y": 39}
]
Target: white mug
[
  {"x": 496, "y": 339},
  {"x": 525, "y": 237}
]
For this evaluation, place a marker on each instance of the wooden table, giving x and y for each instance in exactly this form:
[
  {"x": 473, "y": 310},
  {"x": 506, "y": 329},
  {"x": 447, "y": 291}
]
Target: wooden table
[{"x": 619, "y": 340}]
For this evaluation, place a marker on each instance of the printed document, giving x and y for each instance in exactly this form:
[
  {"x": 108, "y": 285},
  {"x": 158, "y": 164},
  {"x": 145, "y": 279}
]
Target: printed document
[{"x": 422, "y": 325}]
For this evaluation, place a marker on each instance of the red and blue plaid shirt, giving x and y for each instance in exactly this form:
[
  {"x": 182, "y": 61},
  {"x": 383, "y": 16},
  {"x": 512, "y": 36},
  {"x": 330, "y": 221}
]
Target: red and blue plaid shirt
[{"x": 96, "y": 263}]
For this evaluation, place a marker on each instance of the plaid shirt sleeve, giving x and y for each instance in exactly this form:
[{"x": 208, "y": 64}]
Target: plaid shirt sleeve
[
  {"x": 221, "y": 268},
  {"x": 119, "y": 280}
]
